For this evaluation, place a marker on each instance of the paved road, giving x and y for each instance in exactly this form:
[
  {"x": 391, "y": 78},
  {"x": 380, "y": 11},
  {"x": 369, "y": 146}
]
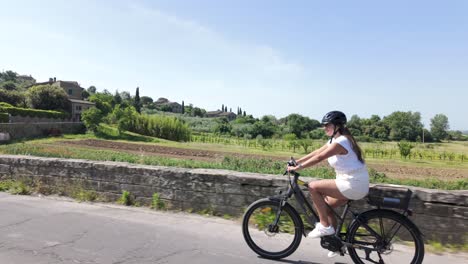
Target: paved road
[{"x": 55, "y": 230}]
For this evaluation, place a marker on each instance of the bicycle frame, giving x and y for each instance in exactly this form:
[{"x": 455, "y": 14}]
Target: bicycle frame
[{"x": 311, "y": 215}]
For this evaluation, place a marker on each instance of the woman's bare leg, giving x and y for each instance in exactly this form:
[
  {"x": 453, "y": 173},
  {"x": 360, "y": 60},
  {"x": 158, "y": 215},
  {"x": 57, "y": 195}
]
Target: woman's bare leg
[
  {"x": 319, "y": 189},
  {"x": 333, "y": 203}
]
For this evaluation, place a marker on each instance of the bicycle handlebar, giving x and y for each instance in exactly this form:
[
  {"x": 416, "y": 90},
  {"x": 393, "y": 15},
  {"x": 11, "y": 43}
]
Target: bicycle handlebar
[{"x": 292, "y": 162}]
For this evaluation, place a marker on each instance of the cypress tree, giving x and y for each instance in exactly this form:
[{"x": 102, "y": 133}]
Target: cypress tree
[
  {"x": 137, "y": 103},
  {"x": 183, "y": 108}
]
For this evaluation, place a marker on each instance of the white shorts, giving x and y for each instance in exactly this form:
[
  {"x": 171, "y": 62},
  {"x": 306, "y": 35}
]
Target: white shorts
[{"x": 353, "y": 185}]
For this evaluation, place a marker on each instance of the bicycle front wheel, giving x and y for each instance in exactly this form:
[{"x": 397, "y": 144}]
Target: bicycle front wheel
[
  {"x": 267, "y": 239},
  {"x": 385, "y": 237}
]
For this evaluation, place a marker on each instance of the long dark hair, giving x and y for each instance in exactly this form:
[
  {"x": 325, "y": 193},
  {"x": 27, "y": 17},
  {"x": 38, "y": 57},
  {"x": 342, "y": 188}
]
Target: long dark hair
[{"x": 345, "y": 132}]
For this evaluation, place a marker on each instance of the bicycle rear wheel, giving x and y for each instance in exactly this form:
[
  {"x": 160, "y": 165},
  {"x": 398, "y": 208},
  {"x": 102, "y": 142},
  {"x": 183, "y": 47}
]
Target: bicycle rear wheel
[
  {"x": 396, "y": 239},
  {"x": 269, "y": 240}
]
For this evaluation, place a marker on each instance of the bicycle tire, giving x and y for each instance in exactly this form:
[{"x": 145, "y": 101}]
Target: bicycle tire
[
  {"x": 287, "y": 211},
  {"x": 381, "y": 217}
]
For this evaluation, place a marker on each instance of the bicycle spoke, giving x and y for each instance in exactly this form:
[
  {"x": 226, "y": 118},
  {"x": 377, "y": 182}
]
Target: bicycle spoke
[
  {"x": 394, "y": 242},
  {"x": 270, "y": 231}
]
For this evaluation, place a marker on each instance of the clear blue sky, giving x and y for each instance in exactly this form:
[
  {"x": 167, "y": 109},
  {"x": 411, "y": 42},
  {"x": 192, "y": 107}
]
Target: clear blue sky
[{"x": 268, "y": 57}]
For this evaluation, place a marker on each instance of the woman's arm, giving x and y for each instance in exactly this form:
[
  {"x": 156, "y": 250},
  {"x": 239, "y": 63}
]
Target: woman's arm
[
  {"x": 313, "y": 153},
  {"x": 331, "y": 150}
]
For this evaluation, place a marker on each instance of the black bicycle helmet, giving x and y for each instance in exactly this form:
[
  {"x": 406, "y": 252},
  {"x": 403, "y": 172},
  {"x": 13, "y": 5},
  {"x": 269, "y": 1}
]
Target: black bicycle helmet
[{"x": 334, "y": 117}]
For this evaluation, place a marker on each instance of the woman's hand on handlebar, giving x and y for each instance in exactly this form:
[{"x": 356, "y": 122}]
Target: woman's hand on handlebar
[
  {"x": 292, "y": 165},
  {"x": 294, "y": 168}
]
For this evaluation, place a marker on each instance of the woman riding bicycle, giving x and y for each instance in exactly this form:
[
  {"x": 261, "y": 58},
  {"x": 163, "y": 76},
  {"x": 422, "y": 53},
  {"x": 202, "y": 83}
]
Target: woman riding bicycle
[{"x": 352, "y": 179}]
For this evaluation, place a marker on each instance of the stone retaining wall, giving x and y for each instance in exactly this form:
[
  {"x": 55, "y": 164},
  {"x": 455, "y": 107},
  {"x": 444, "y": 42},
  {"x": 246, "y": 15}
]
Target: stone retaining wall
[{"x": 441, "y": 215}]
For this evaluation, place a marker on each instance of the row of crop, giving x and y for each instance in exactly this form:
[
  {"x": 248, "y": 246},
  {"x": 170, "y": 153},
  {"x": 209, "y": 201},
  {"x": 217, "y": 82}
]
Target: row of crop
[
  {"x": 304, "y": 146},
  {"x": 378, "y": 153}
]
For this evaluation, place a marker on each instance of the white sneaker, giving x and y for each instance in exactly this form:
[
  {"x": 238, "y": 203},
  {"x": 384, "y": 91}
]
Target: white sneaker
[
  {"x": 332, "y": 254},
  {"x": 320, "y": 231}
]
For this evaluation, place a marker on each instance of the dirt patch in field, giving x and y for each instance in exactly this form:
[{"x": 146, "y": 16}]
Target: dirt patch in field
[
  {"x": 396, "y": 171},
  {"x": 147, "y": 149}
]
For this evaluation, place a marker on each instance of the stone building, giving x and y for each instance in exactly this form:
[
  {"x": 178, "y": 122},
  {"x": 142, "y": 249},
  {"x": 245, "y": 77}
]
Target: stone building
[
  {"x": 74, "y": 93},
  {"x": 164, "y": 104},
  {"x": 229, "y": 115}
]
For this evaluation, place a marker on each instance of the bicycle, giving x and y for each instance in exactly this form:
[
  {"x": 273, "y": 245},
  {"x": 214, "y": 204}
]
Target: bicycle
[{"x": 369, "y": 236}]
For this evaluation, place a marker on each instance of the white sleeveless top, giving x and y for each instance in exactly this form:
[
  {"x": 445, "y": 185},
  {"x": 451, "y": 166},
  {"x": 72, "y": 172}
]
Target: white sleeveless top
[{"x": 345, "y": 164}]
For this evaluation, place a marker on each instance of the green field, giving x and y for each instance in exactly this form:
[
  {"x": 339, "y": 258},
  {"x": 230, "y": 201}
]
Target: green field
[{"x": 270, "y": 159}]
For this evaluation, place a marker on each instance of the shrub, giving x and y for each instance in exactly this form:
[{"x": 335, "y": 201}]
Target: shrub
[
  {"x": 5, "y": 185},
  {"x": 126, "y": 199},
  {"x": 91, "y": 118},
  {"x": 19, "y": 187},
  {"x": 49, "y": 98},
  {"x": 405, "y": 148},
  {"x": 157, "y": 203},
  {"x": 84, "y": 195}
]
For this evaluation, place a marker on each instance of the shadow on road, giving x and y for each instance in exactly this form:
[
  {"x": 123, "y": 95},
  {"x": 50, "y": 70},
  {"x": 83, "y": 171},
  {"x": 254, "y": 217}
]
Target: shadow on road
[{"x": 299, "y": 261}]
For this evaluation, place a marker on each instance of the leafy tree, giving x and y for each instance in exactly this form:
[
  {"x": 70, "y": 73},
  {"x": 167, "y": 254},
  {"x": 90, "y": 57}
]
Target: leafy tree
[
  {"x": 380, "y": 132},
  {"x": 264, "y": 127},
  {"x": 8, "y": 76},
  {"x": 404, "y": 125},
  {"x": 428, "y": 136},
  {"x": 85, "y": 94},
  {"x": 126, "y": 96},
  {"x": 241, "y": 130},
  {"x": 266, "y": 144},
  {"x": 146, "y": 100},
  {"x": 355, "y": 125},
  {"x": 92, "y": 89},
  {"x": 103, "y": 101},
  {"x": 117, "y": 100},
  {"x": 317, "y": 134},
  {"x": 198, "y": 112},
  {"x": 165, "y": 108},
  {"x": 91, "y": 118},
  {"x": 9, "y": 85},
  {"x": 300, "y": 125},
  {"x": 291, "y": 138},
  {"x": 13, "y": 97},
  {"x": 245, "y": 120},
  {"x": 223, "y": 126},
  {"x": 48, "y": 97},
  {"x": 127, "y": 120},
  {"x": 305, "y": 144},
  {"x": 136, "y": 101},
  {"x": 439, "y": 126},
  {"x": 375, "y": 119}
]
